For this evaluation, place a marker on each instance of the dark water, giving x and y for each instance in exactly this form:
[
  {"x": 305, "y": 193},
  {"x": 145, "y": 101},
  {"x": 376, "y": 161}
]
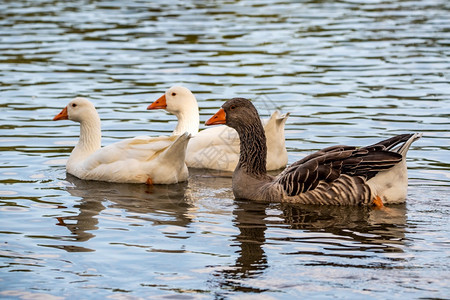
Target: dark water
[{"x": 350, "y": 72}]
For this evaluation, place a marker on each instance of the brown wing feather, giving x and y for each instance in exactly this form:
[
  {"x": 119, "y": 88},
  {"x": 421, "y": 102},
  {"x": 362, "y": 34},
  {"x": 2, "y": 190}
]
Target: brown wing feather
[
  {"x": 390, "y": 143},
  {"x": 328, "y": 164}
]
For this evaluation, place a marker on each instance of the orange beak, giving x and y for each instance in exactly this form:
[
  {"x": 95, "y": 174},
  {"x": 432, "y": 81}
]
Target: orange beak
[
  {"x": 62, "y": 115},
  {"x": 219, "y": 118},
  {"x": 159, "y": 104}
]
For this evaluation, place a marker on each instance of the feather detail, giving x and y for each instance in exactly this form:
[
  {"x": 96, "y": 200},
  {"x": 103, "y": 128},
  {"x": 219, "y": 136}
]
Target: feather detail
[
  {"x": 137, "y": 160},
  {"x": 337, "y": 175}
]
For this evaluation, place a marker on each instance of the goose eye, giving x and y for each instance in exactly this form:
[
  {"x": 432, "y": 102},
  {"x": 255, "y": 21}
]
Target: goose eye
[
  {"x": 174, "y": 94},
  {"x": 232, "y": 106},
  {"x": 74, "y": 105}
]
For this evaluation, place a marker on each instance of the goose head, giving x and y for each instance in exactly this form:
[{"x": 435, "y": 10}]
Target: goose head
[
  {"x": 82, "y": 111},
  {"x": 181, "y": 102},
  {"x": 241, "y": 115},
  {"x": 236, "y": 113},
  {"x": 78, "y": 110},
  {"x": 176, "y": 100}
]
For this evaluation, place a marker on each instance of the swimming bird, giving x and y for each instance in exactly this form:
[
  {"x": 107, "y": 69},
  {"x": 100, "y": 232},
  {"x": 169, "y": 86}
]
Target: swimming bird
[
  {"x": 218, "y": 148},
  {"x": 337, "y": 175},
  {"x": 143, "y": 159}
]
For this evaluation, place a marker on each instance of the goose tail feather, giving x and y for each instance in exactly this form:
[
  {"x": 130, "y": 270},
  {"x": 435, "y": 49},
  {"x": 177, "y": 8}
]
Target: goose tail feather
[
  {"x": 403, "y": 149},
  {"x": 177, "y": 148},
  {"x": 399, "y": 143}
]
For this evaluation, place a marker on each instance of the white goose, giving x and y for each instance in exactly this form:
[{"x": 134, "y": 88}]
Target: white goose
[
  {"x": 218, "y": 148},
  {"x": 158, "y": 160}
]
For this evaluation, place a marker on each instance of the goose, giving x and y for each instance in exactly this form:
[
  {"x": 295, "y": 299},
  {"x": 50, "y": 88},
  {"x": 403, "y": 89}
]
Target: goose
[
  {"x": 337, "y": 175},
  {"x": 151, "y": 160},
  {"x": 218, "y": 148}
]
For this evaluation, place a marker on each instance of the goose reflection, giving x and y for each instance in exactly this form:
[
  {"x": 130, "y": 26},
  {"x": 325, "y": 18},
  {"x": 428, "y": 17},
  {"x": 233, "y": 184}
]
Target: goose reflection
[
  {"x": 375, "y": 230},
  {"x": 355, "y": 229},
  {"x": 251, "y": 260},
  {"x": 141, "y": 201}
]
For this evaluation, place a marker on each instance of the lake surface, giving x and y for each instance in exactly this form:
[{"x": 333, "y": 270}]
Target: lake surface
[{"x": 349, "y": 72}]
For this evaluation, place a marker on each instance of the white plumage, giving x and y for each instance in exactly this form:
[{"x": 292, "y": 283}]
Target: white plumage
[
  {"x": 218, "y": 148},
  {"x": 143, "y": 159}
]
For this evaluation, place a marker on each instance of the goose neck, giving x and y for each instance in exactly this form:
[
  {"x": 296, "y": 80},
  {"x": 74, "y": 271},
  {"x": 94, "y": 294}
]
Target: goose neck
[
  {"x": 90, "y": 137},
  {"x": 188, "y": 121},
  {"x": 253, "y": 149}
]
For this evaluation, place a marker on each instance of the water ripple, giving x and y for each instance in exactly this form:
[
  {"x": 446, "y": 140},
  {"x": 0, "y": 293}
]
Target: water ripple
[{"x": 349, "y": 72}]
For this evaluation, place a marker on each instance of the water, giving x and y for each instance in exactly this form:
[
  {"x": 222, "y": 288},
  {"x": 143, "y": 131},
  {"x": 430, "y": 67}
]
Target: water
[{"x": 350, "y": 72}]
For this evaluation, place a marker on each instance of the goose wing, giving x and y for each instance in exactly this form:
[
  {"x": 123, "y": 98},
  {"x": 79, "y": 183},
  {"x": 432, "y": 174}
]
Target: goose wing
[
  {"x": 390, "y": 143},
  {"x": 140, "y": 149},
  {"x": 330, "y": 163}
]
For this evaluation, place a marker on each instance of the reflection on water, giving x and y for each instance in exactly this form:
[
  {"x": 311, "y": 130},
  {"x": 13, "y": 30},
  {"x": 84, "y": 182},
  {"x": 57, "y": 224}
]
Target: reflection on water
[
  {"x": 377, "y": 230},
  {"x": 345, "y": 232},
  {"x": 139, "y": 201},
  {"x": 251, "y": 260},
  {"x": 349, "y": 72}
]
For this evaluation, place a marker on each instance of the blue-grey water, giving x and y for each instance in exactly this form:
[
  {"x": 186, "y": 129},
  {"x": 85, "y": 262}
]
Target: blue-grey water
[{"x": 350, "y": 72}]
